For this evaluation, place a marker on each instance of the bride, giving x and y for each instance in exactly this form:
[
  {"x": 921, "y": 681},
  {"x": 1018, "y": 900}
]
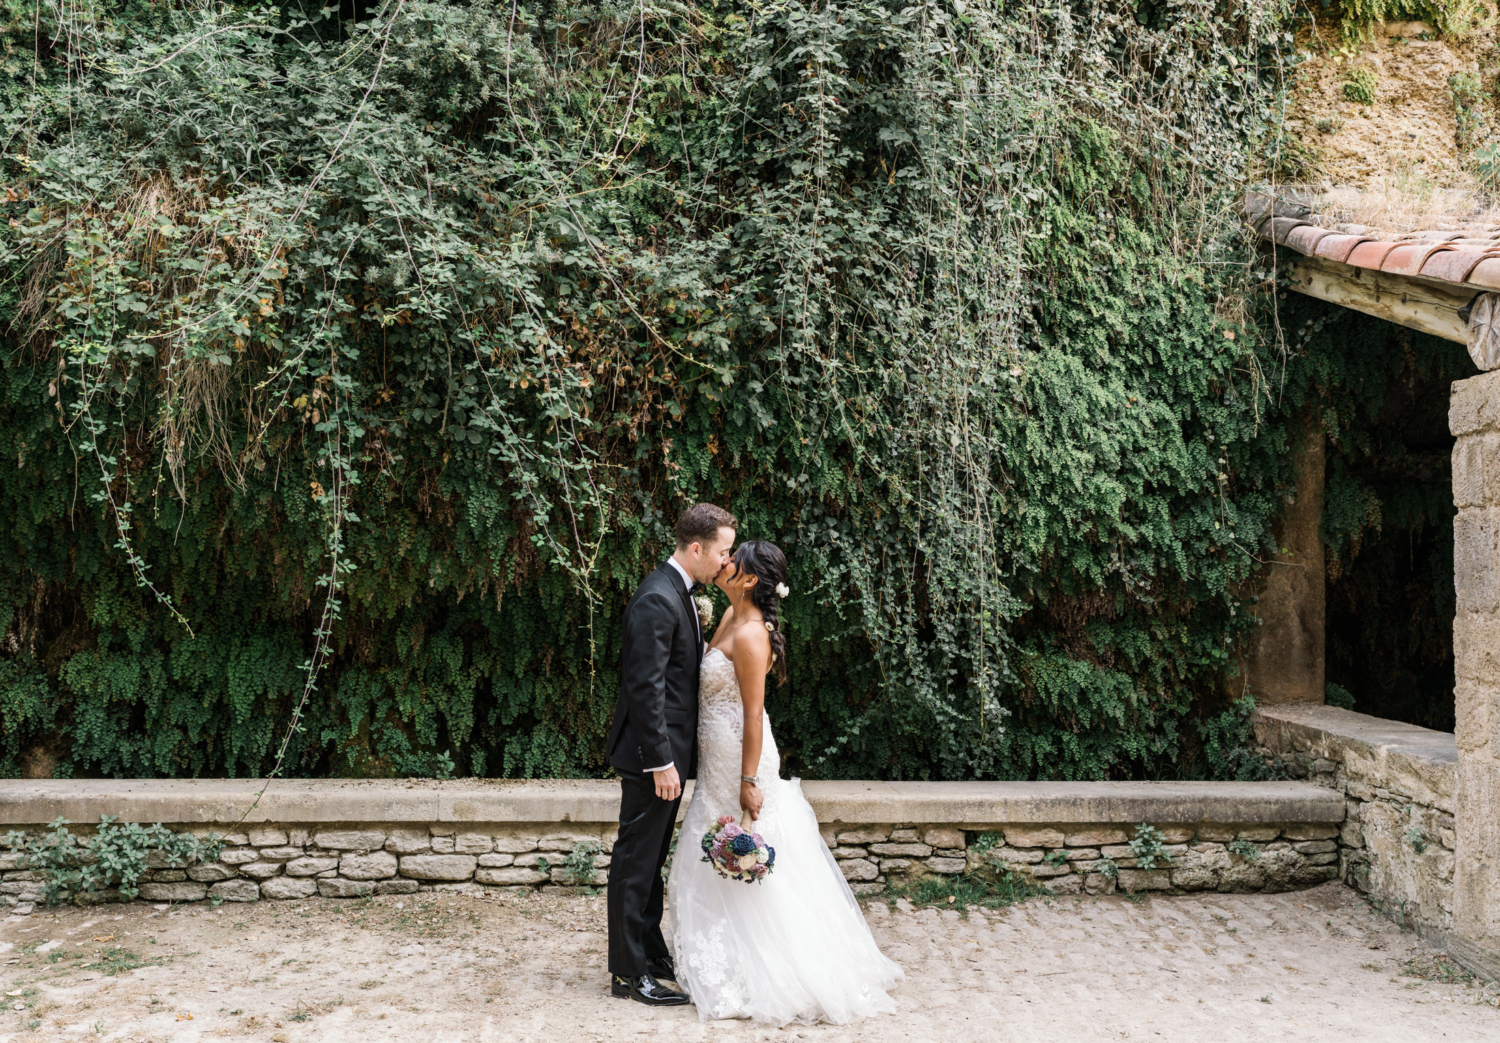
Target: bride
[{"x": 795, "y": 946}]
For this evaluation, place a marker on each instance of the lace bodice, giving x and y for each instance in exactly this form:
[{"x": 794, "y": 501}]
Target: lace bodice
[{"x": 721, "y": 738}]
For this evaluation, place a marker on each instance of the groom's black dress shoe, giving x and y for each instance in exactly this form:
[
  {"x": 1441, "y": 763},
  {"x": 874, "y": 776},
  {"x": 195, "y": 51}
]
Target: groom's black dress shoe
[
  {"x": 647, "y": 990},
  {"x": 663, "y": 969}
]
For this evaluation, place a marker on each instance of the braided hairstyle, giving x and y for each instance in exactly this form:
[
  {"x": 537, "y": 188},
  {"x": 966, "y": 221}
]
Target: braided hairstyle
[{"x": 767, "y": 564}]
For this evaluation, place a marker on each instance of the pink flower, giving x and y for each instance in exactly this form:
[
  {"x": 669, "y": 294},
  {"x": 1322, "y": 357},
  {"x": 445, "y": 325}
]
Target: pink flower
[{"x": 726, "y": 820}]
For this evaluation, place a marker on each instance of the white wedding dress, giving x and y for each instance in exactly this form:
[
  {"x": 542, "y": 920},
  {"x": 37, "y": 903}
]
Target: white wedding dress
[{"x": 793, "y": 947}]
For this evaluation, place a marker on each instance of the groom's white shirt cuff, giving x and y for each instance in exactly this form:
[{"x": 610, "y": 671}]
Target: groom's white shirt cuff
[{"x": 687, "y": 584}]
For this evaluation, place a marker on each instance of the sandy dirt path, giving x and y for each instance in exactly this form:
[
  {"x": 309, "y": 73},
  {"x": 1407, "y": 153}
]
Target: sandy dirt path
[{"x": 1313, "y": 965}]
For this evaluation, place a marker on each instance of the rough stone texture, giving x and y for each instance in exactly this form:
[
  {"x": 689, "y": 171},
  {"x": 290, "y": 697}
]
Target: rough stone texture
[
  {"x": 238, "y": 856},
  {"x": 943, "y": 838},
  {"x": 266, "y": 838},
  {"x": 1133, "y": 880},
  {"x": 408, "y": 841},
  {"x": 351, "y": 840},
  {"x": 438, "y": 867},
  {"x": 516, "y": 845},
  {"x": 901, "y": 850},
  {"x": 236, "y": 890},
  {"x": 341, "y": 888},
  {"x": 510, "y": 875},
  {"x": 945, "y": 865},
  {"x": 1284, "y": 662},
  {"x": 1400, "y": 784},
  {"x": 261, "y": 870},
  {"x": 310, "y": 866},
  {"x": 1474, "y": 417},
  {"x": 377, "y": 865},
  {"x": 288, "y": 887},
  {"x": 396, "y": 887},
  {"x": 495, "y": 860},
  {"x": 183, "y": 892},
  {"x": 208, "y": 874},
  {"x": 865, "y": 836},
  {"x": 1021, "y": 837},
  {"x": 472, "y": 844},
  {"x": 1096, "y": 837},
  {"x": 443, "y": 845},
  {"x": 858, "y": 869}
]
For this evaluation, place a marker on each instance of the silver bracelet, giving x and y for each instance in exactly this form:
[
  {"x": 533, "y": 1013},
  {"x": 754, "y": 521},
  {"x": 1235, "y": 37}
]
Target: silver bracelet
[{"x": 750, "y": 779}]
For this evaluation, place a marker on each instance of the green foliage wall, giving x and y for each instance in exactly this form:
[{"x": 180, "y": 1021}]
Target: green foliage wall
[{"x": 358, "y": 369}]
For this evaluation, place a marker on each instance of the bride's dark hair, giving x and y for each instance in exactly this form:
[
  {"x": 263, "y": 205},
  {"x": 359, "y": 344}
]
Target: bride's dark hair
[{"x": 767, "y": 564}]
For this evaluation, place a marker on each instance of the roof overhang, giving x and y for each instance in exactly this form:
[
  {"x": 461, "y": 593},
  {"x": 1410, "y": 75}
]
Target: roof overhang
[{"x": 1427, "y": 281}]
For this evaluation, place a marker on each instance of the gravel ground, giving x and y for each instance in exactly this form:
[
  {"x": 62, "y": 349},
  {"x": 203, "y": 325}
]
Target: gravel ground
[{"x": 454, "y": 968}]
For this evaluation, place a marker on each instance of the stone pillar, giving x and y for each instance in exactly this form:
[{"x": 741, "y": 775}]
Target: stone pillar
[
  {"x": 1284, "y": 663},
  {"x": 1474, "y": 417}
]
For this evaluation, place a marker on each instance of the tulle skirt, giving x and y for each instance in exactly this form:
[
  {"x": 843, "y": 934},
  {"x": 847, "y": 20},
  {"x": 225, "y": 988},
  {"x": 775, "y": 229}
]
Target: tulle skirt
[{"x": 793, "y": 947}]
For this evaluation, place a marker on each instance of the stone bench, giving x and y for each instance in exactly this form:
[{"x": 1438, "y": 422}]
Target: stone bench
[
  {"x": 345, "y": 838},
  {"x": 1400, "y": 786}
]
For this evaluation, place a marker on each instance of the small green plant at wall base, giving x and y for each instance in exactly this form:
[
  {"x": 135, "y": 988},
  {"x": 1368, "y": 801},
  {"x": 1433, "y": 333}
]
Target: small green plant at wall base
[
  {"x": 1108, "y": 868},
  {"x": 1244, "y": 849},
  {"x": 1359, "y": 85},
  {"x": 1145, "y": 847},
  {"x": 960, "y": 892},
  {"x": 1416, "y": 838},
  {"x": 1055, "y": 858},
  {"x": 578, "y": 867},
  {"x": 984, "y": 844},
  {"x": 114, "y": 858}
]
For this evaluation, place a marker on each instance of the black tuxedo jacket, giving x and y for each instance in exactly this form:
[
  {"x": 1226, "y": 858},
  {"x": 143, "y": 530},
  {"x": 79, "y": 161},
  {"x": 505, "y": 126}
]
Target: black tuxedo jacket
[{"x": 656, "y": 719}]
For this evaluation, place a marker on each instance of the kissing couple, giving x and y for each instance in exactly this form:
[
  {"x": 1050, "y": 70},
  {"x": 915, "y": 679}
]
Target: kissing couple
[{"x": 793, "y": 946}]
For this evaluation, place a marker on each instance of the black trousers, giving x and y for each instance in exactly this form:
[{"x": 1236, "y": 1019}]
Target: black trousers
[{"x": 636, "y": 892}]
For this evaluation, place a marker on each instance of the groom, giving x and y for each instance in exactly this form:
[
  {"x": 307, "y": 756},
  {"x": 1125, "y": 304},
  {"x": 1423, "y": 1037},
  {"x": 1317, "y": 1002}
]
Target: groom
[{"x": 653, "y": 744}]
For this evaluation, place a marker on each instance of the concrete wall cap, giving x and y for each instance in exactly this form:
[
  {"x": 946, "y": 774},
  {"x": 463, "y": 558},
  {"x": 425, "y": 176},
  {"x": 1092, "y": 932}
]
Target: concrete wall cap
[{"x": 324, "y": 802}]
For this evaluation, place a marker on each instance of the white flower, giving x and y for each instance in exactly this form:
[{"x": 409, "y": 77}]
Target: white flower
[
  {"x": 782, "y": 590},
  {"x": 705, "y": 610}
]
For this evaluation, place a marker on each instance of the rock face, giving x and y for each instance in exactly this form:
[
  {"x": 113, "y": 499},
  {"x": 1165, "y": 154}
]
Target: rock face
[
  {"x": 438, "y": 867},
  {"x": 377, "y": 865},
  {"x": 288, "y": 887}
]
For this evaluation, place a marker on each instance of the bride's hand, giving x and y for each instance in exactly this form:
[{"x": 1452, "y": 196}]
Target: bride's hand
[{"x": 751, "y": 798}]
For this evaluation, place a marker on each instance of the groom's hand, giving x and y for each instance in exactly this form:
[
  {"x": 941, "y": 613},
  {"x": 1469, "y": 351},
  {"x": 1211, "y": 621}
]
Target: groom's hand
[{"x": 668, "y": 785}]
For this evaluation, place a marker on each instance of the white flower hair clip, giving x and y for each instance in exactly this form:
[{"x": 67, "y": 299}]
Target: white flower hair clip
[{"x": 782, "y": 590}]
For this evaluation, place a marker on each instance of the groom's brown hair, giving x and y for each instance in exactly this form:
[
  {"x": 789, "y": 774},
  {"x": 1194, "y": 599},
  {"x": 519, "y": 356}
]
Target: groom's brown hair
[{"x": 701, "y": 523}]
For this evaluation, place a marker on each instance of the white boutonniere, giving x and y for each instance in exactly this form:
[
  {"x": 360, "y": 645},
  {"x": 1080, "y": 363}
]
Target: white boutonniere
[{"x": 705, "y": 610}]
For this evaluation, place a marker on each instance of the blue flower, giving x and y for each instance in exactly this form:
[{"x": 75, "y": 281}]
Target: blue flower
[
  {"x": 770, "y": 856},
  {"x": 743, "y": 844}
]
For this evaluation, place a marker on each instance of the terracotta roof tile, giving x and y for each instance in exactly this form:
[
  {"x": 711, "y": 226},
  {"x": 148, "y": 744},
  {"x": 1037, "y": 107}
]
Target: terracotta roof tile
[
  {"x": 1456, "y": 264},
  {"x": 1337, "y": 247},
  {"x": 1408, "y": 258},
  {"x": 1370, "y": 254},
  {"x": 1470, "y": 256},
  {"x": 1486, "y": 274},
  {"x": 1305, "y": 238}
]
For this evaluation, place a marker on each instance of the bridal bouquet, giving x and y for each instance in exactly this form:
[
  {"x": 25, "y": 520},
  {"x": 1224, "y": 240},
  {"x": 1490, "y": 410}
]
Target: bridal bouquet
[{"x": 736, "y": 853}]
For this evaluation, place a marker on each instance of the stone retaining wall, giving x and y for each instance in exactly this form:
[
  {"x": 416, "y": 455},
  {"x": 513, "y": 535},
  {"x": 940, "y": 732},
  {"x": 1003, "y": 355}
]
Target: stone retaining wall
[
  {"x": 1399, "y": 782},
  {"x": 1071, "y": 837},
  {"x": 1070, "y": 858}
]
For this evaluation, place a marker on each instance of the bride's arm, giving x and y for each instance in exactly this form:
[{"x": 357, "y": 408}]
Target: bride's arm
[{"x": 752, "y": 658}]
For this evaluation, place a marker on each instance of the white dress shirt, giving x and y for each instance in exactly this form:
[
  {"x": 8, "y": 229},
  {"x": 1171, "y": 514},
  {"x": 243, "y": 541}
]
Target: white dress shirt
[{"x": 687, "y": 584}]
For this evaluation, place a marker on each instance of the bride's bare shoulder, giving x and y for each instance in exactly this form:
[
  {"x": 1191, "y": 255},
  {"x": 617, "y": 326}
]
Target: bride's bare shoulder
[{"x": 752, "y": 642}]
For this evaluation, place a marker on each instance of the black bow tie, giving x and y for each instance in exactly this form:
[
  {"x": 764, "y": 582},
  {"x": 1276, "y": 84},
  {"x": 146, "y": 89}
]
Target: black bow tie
[{"x": 695, "y": 588}]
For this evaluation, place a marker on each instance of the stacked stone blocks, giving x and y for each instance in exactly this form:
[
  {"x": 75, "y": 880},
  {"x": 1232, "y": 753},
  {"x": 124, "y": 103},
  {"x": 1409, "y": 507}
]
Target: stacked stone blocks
[
  {"x": 1074, "y": 859},
  {"x": 289, "y": 863}
]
